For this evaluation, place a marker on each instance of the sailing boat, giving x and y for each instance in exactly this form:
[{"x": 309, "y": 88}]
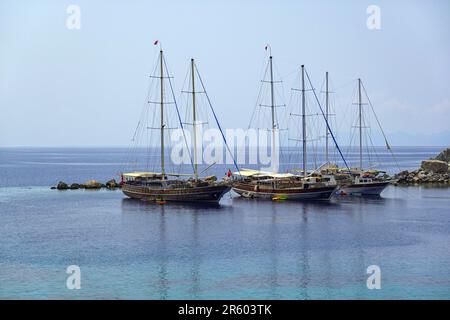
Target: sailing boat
[
  {"x": 363, "y": 182},
  {"x": 282, "y": 186},
  {"x": 163, "y": 186}
]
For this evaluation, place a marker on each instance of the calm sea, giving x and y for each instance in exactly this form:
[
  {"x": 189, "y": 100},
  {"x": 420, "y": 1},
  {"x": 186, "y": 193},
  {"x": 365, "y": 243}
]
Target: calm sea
[{"x": 242, "y": 249}]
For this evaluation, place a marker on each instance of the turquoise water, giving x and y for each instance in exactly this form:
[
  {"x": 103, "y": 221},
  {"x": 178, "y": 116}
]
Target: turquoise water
[{"x": 242, "y": 249}]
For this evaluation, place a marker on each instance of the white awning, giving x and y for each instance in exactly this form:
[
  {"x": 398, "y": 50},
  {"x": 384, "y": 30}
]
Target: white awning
[
  {"x": 152, "y": 174},
  {"x": 258, "y": 173}
]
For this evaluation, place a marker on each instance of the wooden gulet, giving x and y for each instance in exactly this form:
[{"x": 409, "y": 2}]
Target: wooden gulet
[
  {"x": 362, "y": 182},
  {"x": 163, "y": 186},
  {"x": 275, "y": 186}
]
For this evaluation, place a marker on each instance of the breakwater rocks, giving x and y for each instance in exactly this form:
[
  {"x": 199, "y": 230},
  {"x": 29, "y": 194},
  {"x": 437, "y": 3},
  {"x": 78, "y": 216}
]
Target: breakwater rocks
[
  {"x": 435, "y": 170},
  {"x": 91, "y": 184}
]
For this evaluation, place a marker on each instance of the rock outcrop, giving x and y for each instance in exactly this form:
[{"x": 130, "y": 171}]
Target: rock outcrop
[
  {"x": 434, "y": 166},
  {"x": 92, "y": 184},
  {"x": 74, "y": 186},
  {"x": 419, "y": 176},
  {"x": 435, "y": 170},
  {"x": 444, "y": 156},
  {"x": 112, "y": 184},
  {"x": 62, "y": 186}
]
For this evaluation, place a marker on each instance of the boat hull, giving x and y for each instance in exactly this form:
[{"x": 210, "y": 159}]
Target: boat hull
[
  {"x": 368, "y": 189},
  {"x": 207, "y": 194},
  {"x": 247, "y": 191}
]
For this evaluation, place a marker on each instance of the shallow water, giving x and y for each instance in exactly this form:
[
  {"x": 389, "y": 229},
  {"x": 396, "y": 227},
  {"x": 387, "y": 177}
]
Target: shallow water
[{"x": 241, "y": 249}]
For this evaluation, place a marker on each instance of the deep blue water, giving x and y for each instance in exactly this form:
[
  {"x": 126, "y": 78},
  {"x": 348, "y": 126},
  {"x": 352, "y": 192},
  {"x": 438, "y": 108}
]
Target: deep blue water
[{"x": 242, "y": 249}]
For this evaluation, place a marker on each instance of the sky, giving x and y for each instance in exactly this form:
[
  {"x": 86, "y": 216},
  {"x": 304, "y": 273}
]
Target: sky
[{"x": 87, "y": 86}]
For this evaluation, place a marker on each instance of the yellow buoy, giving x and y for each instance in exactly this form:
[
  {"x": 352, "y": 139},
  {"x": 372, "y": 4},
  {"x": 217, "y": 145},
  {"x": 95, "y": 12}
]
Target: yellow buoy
[{"x": 279, "y": 198}]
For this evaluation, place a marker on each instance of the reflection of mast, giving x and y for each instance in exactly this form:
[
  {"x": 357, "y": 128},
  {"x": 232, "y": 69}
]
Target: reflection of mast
[
  {"x": 305, "y": 263},
  {"x": 196, "y": 257},
  {"x": 274, "y": 252},
  {"x": 162, "y": 114},
  {"x": 163, "y": 251},
  {"x": 194, "y": 120}
]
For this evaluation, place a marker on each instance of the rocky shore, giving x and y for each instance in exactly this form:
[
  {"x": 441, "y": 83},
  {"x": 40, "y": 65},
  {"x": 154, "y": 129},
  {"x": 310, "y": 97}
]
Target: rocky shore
[
  {"x": 91, "y": 184},
  {"x": 436, "y": 170}
]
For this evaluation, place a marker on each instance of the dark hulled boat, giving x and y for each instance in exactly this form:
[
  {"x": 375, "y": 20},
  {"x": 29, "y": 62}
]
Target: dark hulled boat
[
  {"x": 283, "y": 186},
  {"x": 365, "y": 184},
  {"x": 260, "y": 185},
  {"x": 163, "y": 186},
  {"x": 150, "y": 187},
  {"x": 357, "y": 181}
]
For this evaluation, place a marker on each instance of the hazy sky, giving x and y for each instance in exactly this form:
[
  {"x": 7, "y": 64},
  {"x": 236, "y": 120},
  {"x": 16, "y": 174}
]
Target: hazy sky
[{"x": 86, "y": 87}]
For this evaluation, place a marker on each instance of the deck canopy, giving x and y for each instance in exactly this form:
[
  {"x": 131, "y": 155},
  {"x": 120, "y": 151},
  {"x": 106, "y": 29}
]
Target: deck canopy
[
  {"x": 141, "y": 174},
  {"x": 151, "y": 174},
  {"x": 261, "y": 174},
  {"x": 373, "y": 172}
]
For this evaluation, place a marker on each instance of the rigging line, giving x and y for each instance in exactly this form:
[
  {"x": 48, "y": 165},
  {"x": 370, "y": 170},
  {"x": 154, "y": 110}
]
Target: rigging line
[
  {"x": 258, "y": 97},
  {"x": 297, "y": 158},
  {"x": 287, "y": 74},
  {"x": 132, "y": 146},
  {"x": 144, "y": 117},
  {"x": 286, "y": 120},
  {"x": 353, "y": 135},
  {"x": 178, "y": 114},
  {"x": 376, "y": 118},
  {"x": 346, "y": 107},
  {"x": 344, "y": 85},
  {"x": 279, "y": 118},
  {"x": 215, "y": 117},
  {"x": 133, "y": 158},
  {"x": 368, "y": 139},
  {"x": 148, "y": 135},
  {"x": 262, "y": 75},
  {"x": 331, "y": 132},
  {"x": 379, "y": 125},
  {"x": 353, "y": 123},
  {"x": 378, "y": 159},
  {"x": 282, "y": 94},
  {"x": 378, "y": 163}
]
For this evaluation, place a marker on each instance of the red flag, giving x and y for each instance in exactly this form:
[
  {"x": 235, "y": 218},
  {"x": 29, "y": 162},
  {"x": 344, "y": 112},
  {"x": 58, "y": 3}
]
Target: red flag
[
  {"x": 229, "y": 173},
  {"x": 155, "y": 43}
]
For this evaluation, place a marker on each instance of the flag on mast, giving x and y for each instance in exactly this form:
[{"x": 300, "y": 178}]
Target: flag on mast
[{"x": 156, "y": 42}]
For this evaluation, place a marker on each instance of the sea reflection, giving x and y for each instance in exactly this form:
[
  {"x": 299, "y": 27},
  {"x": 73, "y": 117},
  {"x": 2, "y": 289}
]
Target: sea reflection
[
  {"x": 163, "y": 283},
  {"x": 160, "y": 215},
  {"x": 304, "y": 270},
  {"x": 197, "y": 251},
  {"x": 133, "y": 205}
]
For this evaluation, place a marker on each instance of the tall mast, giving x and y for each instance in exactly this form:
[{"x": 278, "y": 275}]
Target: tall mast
[
  {"x": 326, "y": 116},
  {"x": 162, "y": 114},
  {"x": 360, "y": 123},
  {"x": 304, "y": 122},
  {"x": 194, "y": 119},
  {"x": 272, "y": 101}
]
